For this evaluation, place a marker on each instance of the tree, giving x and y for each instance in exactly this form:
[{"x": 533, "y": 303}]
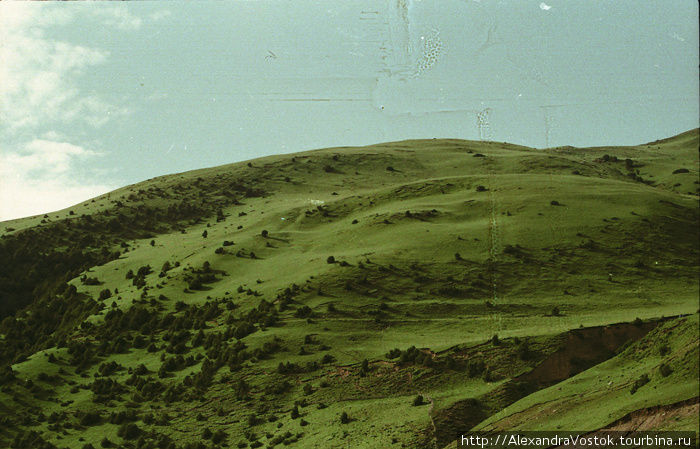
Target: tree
[
  {"x": 264, "y": 233},
  {"x": 205, "y": 233},
  {"x": 344, "y": 418}
]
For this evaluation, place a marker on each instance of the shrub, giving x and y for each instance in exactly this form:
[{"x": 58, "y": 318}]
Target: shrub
[
  {"x": 264, "y": 233},
  {"x": 129, "y": 431},
  {"x": 303, "y": 312},
  {"x": 480, "y": 189},
  {"x": 394, "y": 353},
  {"x": 418, "y": 400},
  {"x": 344, "y": 418},
  {"x": 90, "y": 419},
  {"x": 218, "y": 437},
  {"x": 330, "y": 259},
  {"x": 205, "y": 234},
  {"x": 639, "y": 383},
  {"x": 665, "y": 370},
  {"x": 104, "y": 294}
]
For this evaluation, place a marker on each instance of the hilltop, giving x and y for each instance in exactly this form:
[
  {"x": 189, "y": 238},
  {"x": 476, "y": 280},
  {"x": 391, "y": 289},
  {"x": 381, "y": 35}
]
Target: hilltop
[{"x": 393, "y": 295}]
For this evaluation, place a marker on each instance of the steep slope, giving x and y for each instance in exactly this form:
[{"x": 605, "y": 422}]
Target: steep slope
[{"x": 262, "y": 300}]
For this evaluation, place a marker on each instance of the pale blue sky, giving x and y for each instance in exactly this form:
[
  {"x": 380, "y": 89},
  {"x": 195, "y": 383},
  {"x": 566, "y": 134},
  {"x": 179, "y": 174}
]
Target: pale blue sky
[{"x": 94, "y": 96}]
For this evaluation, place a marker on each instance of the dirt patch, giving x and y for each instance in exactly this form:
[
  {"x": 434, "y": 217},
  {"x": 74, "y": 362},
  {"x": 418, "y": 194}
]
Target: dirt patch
[
  {"x": 584, "y": 348},
  {"x": 580, "y": 350},
  {"x": 657, "y": 417}
]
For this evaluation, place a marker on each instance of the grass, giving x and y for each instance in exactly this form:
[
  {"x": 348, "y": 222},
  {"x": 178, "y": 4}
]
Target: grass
[{"x": 600, "y": 240}]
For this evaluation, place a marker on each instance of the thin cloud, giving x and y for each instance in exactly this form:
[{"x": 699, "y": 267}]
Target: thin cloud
[
  {"x": 37, "y": 177},
  {"x": 38, "y": 73},
  {"x": 117, "y": 17},
  {"x": 41, "y": 95}
]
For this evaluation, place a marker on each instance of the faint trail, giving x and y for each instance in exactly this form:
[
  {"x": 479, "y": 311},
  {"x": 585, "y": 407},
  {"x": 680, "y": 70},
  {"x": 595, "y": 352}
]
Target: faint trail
[
  {"x": 430, "y": 415},
  {"x": 494, "y": 245}
]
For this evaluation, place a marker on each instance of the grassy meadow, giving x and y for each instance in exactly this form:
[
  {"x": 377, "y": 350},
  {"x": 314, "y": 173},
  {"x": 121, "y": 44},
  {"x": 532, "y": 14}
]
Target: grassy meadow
[{"x": 394, "y": 295}]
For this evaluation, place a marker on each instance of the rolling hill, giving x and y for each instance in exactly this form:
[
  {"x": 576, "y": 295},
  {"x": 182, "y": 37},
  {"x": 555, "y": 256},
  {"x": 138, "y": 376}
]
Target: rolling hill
[{"x": 394, "y": 295}]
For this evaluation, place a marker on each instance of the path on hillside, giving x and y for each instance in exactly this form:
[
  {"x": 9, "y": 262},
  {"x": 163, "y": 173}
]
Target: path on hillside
[{"x": 494, "y": 245}]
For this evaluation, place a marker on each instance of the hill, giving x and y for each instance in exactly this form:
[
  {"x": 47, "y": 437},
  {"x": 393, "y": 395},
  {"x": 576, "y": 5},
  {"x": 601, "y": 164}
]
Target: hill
[{"x": 391, "y": 295}]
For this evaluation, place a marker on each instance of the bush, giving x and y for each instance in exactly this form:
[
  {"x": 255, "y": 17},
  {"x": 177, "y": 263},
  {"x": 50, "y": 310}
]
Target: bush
[
  {"x": 665, "y": 370},
  {"x": 90, "y": 419},
  {"x": 218, "y": 437},
  {"x": 264, "y": 233},
  {"x": 418, "y": 400},
  {"x": 344, "y": 418},
  {"x": 639, "y": 383},
  {"x": 303, "y": 312},
  {"x": 330, "y": 259},
  {"x": 104, "y": 294}
]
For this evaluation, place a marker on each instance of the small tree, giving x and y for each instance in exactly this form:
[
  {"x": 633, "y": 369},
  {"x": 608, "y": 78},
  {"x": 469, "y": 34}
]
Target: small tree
[
  {"x": 418, "y": 400},
  {"x": 205, "y": 234},
  {"x": 344, "y": 418},
  {"x": 264, "y": 233},
  {"x": 330, "y": 259}
]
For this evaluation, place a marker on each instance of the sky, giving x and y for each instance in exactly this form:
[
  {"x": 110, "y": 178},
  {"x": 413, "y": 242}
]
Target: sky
[{"x": 98, "y": 95}]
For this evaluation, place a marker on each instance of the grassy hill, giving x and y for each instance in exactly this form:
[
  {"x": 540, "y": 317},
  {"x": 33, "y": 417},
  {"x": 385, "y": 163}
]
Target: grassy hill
[{"x": 392, "y": 295}]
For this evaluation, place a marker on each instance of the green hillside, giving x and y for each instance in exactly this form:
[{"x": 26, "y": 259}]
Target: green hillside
[{"x": 394, "y": 295}]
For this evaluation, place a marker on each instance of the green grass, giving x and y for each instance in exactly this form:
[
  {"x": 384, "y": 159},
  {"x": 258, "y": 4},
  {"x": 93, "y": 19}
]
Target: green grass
[{"x": 564, "y": 228}]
